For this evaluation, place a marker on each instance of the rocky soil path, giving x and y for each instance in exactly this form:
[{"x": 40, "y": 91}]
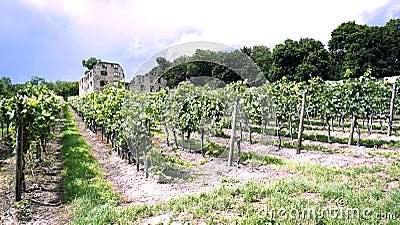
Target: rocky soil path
[{"x": 43, "y": 198}]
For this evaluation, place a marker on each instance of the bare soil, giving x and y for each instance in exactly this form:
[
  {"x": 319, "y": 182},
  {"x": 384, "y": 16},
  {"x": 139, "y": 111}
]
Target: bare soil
[{"x": 6, "y": 160}]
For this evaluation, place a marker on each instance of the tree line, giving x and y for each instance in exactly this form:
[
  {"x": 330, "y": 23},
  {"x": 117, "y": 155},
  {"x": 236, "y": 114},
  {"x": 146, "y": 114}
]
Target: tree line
[
  {"x": 60, "y": 88},
  {"x": 352, "y": 50}
]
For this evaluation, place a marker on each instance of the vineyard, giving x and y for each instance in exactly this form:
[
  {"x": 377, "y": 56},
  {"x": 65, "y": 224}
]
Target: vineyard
[
  {"x": 239, "y": 126},
  {"x": 352, "y": 107},
  {"x": 200, "y": 155}
]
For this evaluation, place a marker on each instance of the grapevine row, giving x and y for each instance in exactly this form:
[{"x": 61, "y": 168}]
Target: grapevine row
[{"x": 31, "y": 116}]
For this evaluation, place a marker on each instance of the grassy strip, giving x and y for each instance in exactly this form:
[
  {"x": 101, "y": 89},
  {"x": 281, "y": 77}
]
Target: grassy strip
[
  {"x": 324, "y": 138},
  {"x": 389, "y": 154},
  {"x": 363, "y": 142},
  {"x": 310, "y": 147},
  {"x": 86, "y": 189},
  {"x": 312, "y": 128},
  {"x": 375, "y": 128},
  {"x": 218, "y": 150},
  {"x": 348, "y": 125},
  {"x": 257, "y": 158}
]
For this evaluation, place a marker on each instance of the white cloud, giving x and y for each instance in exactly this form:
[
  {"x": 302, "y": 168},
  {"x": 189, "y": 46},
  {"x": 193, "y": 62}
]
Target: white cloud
[
  {"x": 148, "y": 26},
  {"x": 229, "y": 22},
  {"x": 138, "y": 48},
  {"x": 394, "y": 11}
]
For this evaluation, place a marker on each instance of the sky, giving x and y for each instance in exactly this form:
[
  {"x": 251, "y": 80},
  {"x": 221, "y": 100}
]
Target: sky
[{"x": 50, "y": 38}]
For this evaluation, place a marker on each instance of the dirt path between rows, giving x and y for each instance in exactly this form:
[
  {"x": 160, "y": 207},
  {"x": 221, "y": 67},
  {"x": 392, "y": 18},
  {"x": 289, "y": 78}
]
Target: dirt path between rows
[
  {"x": 6, "y": 185},
  {"x": 42, "y": 201}
]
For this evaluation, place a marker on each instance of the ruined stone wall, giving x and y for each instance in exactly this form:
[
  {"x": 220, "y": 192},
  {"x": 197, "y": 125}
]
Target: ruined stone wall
[
  {"x": 145, "y": 84},
  {"x": 103, "y": 73}
]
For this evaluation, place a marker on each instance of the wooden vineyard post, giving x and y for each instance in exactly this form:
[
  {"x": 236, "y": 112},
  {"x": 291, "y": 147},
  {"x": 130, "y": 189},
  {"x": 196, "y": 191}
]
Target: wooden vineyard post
[
  {"x": 202, "y": 140},
  {"x": 166, "y": 133},
  {"x": 145, "y": 158},
  {"x": 238, "y": 142},
  {"x": 18, "y": 155},
  {"x": 353, "y": 124},
  {"x": 183, "y": 140},
  {"x": 301, "y": 125},
  {"x": 390, "y": 125},
  {"x": 233, "y": 132}
]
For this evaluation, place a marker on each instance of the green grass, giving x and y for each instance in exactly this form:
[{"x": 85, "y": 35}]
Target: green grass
[
  {"x": 175, "y": 159},
  {"x": 324, "y": 138},
  {"x": 86, "y": 190},
  {"x": 386, "y": 154},
  {"x": 348, "y": 124},
  {"x": 363, "y": 142},
  {"x": 215, "y": 150},
  {"x": 315, "y": 187},
  {"x": 255, "y": 157},
  {"x": 320, "y": 148},
  {"x": 157, "y": 131},
  {"x": 260, "y": 203},
  {"x": 363, "y": 130},
  {"x": 268, "y": 130}
]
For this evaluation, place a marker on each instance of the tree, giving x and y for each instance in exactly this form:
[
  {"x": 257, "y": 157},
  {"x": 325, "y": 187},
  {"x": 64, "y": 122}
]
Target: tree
[
  {"x": 315, "y": 60},
  {"x": 299, "y": 60},
  {"x": 90, "y": 63},
  {"x": 35, "y": 80},
  {"x": 226, "y": 66},
  {"x": 175, "y": 74},
  {"x": 5, "y": 86},
  {"x": 391, "y": 35},
  {"x": 262, "y": 56},
  {"x": 360, "y": 48},
  {"x": 163, "y": 63},
  {"x": 246, "y": 50},
  {"x": 66, "y": 89}
]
